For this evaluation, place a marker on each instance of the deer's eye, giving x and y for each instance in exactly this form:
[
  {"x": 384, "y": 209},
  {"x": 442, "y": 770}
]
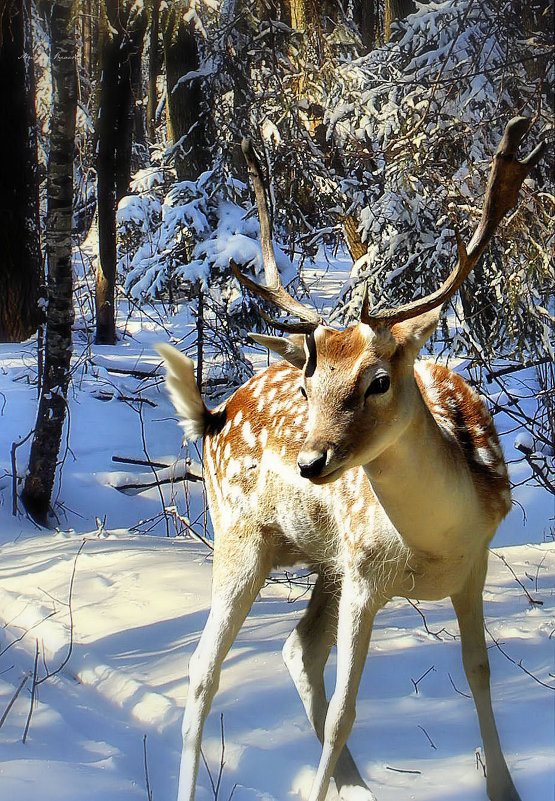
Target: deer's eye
[
  {"x": 302, "y": 390},
  {"x": 378, "y": 386}
]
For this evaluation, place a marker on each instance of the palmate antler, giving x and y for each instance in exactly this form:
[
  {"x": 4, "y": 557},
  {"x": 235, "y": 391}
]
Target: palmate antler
[{"x": 505, "y": 180}]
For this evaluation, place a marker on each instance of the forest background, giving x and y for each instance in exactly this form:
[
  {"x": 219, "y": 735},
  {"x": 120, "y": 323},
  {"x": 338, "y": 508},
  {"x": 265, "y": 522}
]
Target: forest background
[{"x": 124, "y": 195}]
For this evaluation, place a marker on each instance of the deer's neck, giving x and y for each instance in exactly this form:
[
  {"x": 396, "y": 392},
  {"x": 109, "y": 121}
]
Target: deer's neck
[{"x": 423, "y": 483}]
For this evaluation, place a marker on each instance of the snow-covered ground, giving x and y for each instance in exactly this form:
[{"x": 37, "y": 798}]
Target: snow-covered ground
[{"x": 114, "y": 609}]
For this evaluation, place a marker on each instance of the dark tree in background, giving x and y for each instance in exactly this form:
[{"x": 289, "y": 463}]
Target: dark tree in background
[
  {"x": 153, "y": 69},
  {"x": 20, "y": 256},
  {"x": 395, "y": 9},
  {"x": 121, "y": 42},
  {"x": 184, "y": 98},
  {"x": 56, "y": 373}
]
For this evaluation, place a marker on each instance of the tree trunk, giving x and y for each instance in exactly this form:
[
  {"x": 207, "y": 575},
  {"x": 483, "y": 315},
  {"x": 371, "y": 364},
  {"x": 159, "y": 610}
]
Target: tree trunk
[
  {"x": 153, "y": 69},
  {"x": 37, "y": 491},
  {"x": 366, "y": 18},
  {"x": 106, "y": 179},
  {"x": 121, "y": 45},
  {"x": 301, "y": 14},
  {"x": 396, "y": 9},
  {"x": 20, "y": 257},
  {"x": 130, "y": 125},
  {"x": 186, "y": 126}
]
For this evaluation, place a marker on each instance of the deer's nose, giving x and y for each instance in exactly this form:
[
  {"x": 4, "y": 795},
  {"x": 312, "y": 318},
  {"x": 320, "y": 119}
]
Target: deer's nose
[{"x": 311, "y": 463}]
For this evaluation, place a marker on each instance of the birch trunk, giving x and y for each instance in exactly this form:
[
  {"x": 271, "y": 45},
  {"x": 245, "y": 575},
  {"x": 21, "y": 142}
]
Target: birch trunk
[{"x": 43, "y": 460}]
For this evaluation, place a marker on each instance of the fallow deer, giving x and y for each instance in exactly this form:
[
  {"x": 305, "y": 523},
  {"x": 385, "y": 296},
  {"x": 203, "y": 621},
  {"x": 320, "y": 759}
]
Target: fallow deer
[{"x": 381, "y": 473}]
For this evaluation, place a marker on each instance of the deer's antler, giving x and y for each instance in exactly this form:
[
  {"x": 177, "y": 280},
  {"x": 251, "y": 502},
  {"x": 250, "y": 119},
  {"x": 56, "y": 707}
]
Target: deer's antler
[
  {"x": 273, "y": 291},
  {"x": 505, "y": 181}
]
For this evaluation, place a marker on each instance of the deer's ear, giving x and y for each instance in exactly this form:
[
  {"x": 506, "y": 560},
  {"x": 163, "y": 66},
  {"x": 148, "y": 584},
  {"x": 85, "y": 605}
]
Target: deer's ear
[
  {"x": 412, "y": 334},
  {"x": 291, "y": 348}
]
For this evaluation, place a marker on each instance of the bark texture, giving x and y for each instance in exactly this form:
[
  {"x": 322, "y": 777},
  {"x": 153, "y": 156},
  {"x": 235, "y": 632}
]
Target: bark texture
[
  {"x": 153, "y": 70},
  {"x": 39, "y": 482},
  {"x": 20, "y": 256},
  {"x": 395, "y": 9},
  {"x": 121, "y": 42},
  {"x": 186, "y": 127}
]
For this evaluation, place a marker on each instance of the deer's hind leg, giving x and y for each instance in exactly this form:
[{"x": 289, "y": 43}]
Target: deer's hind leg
[
  {"x": 305, "y": 653},
  {"x": 242, "y": 561},
  {"x": 468, "y": 606}
]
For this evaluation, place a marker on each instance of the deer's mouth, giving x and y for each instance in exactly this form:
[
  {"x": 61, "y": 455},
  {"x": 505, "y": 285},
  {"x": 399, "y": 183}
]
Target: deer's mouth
[{"x": 328, "y": 477}]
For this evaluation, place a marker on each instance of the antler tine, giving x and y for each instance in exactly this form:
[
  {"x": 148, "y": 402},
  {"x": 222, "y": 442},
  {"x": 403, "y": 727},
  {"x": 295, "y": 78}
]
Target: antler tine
[
  {"x": 273, "y": 291},
  {"x": 505, "y": 181}
]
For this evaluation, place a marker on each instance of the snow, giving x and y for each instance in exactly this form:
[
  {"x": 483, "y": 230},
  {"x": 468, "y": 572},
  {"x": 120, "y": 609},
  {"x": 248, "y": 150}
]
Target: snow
[{"x": 127, "y": 605}]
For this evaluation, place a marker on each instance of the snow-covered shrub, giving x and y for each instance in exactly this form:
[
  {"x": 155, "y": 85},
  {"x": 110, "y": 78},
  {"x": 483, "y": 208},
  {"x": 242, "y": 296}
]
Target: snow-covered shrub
[
  {"x": 417, "y": 122},
  {"x": 176, "y": 240}
]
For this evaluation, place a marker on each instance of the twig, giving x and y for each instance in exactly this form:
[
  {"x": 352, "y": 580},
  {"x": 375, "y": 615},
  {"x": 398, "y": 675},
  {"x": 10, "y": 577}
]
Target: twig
[
  {"x": 518, "y": 664},
  {"x": 533, "y": 601},
  {"x": 222, "y": 755},
  {"x": 134, "y": 373},
  {"x": 171, "y": 510},
  {"x": 433, "y": 745},
  {"x": 70, "y": 596},
  {"x": 460, "y": 692},
  {"x": 13, "y": 700},
  {"x": 428, "y": 630},
  {"x": 209, "y": 773},
  {"x": 147, "y": 780},
  {"x": 135, "y": 489},
  {"x": 216, "y": 785},
  {"x": 516, "y": 368},
  {"x": 129, "y": 399},
  {"x": 145, "y": 449},
  {"x": 417, "y": 682},
  {"x": 18, "y": 639},
  {"x": 129, "y": 460},
  {"x": 480, "y": 762},
  {"x": 403, "y": 770},
  {"x": 15, "y": 446},
  {"x": 33, "y": 691}
]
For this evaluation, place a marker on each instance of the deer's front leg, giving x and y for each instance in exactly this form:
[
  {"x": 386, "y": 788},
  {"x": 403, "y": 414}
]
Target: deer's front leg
[
  {"x": 241, "y": 564},
  {"x": 305, "y": 653},
  {"x": 469, "y": 610},
  {"x": 354, "y": 627}
]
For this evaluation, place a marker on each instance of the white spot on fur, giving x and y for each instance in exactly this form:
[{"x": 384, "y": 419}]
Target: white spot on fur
[
  {"x": 357, "y": 506},
  {"x": 233, "y": 468},
  {"x": 260, "y": 386},
  {"x": 248, "y": 436},
  {"x": 238, "y": 417}
]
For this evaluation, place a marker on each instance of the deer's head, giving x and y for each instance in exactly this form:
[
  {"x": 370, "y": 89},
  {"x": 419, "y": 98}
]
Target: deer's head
[{"x": 359, "y": 383}]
